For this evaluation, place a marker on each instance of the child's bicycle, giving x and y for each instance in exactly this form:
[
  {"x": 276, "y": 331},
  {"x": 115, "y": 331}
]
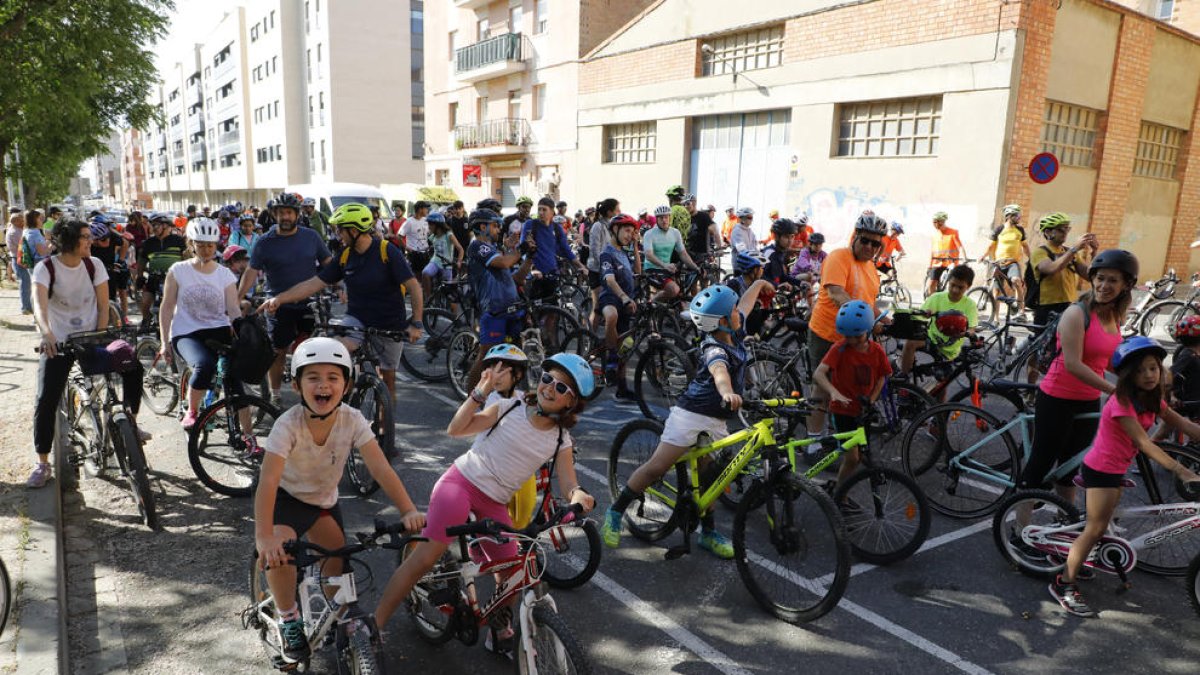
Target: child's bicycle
[
  {"x": 573, "y": 554},
  {"x": 1040, "y": 547},
  {"x": 357, "y": 641},
  {"x": 786, "y": 529},
  {"x": 443, "y": 604}
]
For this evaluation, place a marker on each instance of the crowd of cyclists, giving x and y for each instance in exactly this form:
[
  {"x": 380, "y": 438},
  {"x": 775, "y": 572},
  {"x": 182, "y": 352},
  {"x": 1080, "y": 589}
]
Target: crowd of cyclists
[{"x": 206, "y": 270}]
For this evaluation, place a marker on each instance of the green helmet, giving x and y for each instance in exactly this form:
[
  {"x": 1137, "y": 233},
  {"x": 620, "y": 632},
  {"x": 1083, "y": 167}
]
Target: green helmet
[
  {"x": 940, "y": 216},
  {"x": 1052, "y": 221},
  {"x": 675, "y": 191},
  {"x": 354, "y": 216},
  {"x": 524, "y": 201}
]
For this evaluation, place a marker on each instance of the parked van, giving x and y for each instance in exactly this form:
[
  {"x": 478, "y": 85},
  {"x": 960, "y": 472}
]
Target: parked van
[
  {"x": 408, "y": 194},
  {"x": 330, "y": 196}
]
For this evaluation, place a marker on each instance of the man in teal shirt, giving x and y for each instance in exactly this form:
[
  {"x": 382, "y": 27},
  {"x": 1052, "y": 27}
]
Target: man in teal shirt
[{"x": 658, "y": 245}]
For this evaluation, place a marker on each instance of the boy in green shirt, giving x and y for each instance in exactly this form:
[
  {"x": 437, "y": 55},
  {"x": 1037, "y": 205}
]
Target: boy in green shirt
[{"x": 954, "y": 298}]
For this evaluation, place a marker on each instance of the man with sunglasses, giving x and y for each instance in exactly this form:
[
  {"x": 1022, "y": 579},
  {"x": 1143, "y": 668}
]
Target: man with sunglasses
[
  {"x": 742, "y": 238},
  {"x": 847, "y": 274}
]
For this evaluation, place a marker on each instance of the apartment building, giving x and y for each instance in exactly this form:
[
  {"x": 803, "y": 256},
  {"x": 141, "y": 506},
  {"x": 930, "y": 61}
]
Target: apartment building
[
  {"x": 133, "y": 172},
  {"x": 501, "y": 80},
  {"x": 249, "y": 110},
  {"x": 907, "y": 107}
]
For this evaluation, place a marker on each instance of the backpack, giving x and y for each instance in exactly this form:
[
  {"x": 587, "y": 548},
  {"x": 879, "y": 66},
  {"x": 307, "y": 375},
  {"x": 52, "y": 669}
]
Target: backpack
[
  {"x": 1033, "y": 284},
  {"x": 28, "y": 260},
  {"x": 252, "y": 352},
  {"x": 1050, "y": 349},
  {"x": 383, "y": 254},
  {"x": 87, "y": 263}
]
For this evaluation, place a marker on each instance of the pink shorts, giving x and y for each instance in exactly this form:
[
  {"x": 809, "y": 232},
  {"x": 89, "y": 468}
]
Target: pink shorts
[{"x": 454, "y": 498}]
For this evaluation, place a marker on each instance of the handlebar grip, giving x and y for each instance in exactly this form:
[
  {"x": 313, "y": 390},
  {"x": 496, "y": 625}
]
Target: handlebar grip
[
  {"x": 485, "y": 526},
  {"x": 382, "y": 527}
]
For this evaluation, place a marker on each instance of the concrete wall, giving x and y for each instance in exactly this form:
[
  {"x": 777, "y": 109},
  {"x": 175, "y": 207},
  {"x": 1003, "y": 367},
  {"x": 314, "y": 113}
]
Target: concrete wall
[
  {"x": 1085, "y": 38},
  {"x": 1171, "y": 86}
]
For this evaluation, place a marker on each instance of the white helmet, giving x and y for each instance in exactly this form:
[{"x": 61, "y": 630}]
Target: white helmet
[
  {"x": 662, "y": 211},
  {"x": 1012, "y": 210},
  {"x": 308, "y": 201},
  {"x": 203, "y": 230},
  {"x": 745, "y": 212},
  {"x": 322, "y": 350}
]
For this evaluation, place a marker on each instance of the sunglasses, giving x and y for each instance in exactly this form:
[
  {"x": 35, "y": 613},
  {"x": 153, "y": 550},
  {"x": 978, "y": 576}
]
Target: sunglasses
[
  {"x": 873, "y": 243},
  {"x": 561, "y": 388}
]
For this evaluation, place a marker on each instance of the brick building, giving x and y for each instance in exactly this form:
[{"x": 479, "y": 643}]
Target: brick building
[{"x": 907, "y": 107}]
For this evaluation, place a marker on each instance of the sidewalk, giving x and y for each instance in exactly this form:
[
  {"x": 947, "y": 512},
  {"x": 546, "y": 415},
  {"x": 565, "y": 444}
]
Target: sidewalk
[{"x": 30, "y": 520}]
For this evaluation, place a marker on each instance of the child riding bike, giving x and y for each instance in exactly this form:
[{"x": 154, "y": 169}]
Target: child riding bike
[{"x": 298, "y": 486}]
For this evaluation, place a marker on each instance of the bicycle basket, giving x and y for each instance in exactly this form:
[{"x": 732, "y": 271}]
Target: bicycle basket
[{"x": 907, "y": 326}]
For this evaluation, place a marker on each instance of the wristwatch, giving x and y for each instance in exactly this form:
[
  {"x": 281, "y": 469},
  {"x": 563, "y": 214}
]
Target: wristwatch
[{"x": 417, "y": 324}]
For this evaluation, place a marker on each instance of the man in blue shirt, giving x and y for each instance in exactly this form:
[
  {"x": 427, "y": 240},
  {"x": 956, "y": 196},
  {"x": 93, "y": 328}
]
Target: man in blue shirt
[
  {"x": 617, "y": 290},
  {"x": 373, "y": 287},
  {"x": 289, "y": 255},
  {"x": 545, "y": 242},
  {"x": 489, "y": 265}
]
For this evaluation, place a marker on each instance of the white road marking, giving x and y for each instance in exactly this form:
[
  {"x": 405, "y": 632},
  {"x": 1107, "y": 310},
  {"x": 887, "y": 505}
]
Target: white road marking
[{"x": 929, "y": 545}]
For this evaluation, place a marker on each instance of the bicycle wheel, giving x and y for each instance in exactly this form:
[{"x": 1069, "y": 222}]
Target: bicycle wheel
[
  {"x": 429, "y": 597},
  {"x": 986, "y": 305},
  {"x": 886, "y": 516},
  {"x": 260, "y": 593},
  {"x": 426, "y": 360},
  {"x": 160, "y": 390},
  {"x": 581, "y": 343},
  {"x": 649, "y": 519},
  {"x": 555, "y": 649},
  {"x": 225, "y": 458},
  {"x": 1170, "y": 556},
  {"x": 84, "y": 437},
  {"x": 662, "y": 375},
  {"x": 460, "y": 358},
  {"x": 564, "y": 324},
  {"x": 964, "y": 468},
  {"x": 372, "y": 398},
  {"x": 571, "y": 553},
  {"x": 805, "y": 566},
  {"x": 1159, "y": 319},
  {"x": 1193, "y": 586},
  {"x": 898, "y": 404},
  {"x": 363, "y": 654},
  {"x": 136, "y": 470},
  {"x": 5, "y": 596},
  {"x": 1032, "y": 509}
]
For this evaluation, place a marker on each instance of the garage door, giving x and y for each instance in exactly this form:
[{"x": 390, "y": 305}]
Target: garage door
[
  {"x": 510, "y": 189},
  {"x": 742, "y": 159}
]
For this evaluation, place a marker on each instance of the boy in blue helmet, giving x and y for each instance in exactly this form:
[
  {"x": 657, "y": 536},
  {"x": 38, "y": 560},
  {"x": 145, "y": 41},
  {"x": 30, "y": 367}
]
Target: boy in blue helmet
[
  {"x": 711, "y": 398},
  {"x": 855, "y": 367}
]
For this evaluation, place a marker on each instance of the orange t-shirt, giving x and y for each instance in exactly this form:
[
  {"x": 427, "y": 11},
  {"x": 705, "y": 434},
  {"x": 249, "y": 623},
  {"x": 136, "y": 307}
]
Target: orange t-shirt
[
  {"x": 946, "y": 245},
  {"x": 727, "y": 227},
  {"x": 859, "y": 278}
]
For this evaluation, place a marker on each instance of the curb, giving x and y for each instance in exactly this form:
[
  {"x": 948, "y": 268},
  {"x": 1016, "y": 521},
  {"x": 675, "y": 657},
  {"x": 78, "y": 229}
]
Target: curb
[
  {"x": 13, "y": 325},
  {"x": 41, "y": 647}
]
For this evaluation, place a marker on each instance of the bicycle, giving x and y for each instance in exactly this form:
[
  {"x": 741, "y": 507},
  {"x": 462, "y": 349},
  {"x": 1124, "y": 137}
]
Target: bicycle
[
  {"x": 1193, "y": 583},
  {"x": 890, "y": 286},
  {"x": 5, "y": 596},
  {"x": 443, "y": 603},
  {"x": 801, "y": 525},
  {"x": 223, "y": 444},
  {"x": 996, "y": 290},
  {"x": 1160, "y": 289},
  {"x": 357, "y": 642},
  {"x": 1159, "y": 318},
  {"x": 98, "y": 425},
  {"x": 574, "y": 552}
]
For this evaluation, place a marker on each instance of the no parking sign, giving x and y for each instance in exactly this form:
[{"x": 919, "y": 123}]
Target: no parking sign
[{"x": 1043, "y": 168}]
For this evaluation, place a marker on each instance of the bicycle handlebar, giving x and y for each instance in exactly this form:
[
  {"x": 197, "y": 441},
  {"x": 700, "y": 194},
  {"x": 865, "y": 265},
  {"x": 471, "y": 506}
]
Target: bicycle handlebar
[
  {"x": 490, "y": 528},
  {"x": 342, "y": 329},
  {"x": 305, "y": 553}
]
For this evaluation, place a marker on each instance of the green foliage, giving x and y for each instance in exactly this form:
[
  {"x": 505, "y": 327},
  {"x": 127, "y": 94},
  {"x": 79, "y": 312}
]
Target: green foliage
[{"x": 73, "y": 70}]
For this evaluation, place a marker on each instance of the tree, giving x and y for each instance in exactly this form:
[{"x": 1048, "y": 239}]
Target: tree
[{"x": 73, "y": 70}]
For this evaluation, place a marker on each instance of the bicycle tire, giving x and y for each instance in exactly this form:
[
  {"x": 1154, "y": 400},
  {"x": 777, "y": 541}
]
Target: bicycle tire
[
  {"x": 787, "y": 527},
  {"x": 84, "y": 437},
  {"x": 426, "y": 360},
  {"x": 883, "y": 491},
  {"x": 564, "y": 326},
  {"x": 1172, "y": 556},
  {"x": 624, "y": 457},
  {"x": 564, "y": 567},
  {"x": 137, "y": 471},
  {"x": 926, "y": 453},
  {"x": 583, "y": 343},
  {"x": 372, "y": 398},
  {"x": 115, "y": 318},
  {"x": 460, "y": 359},
  {"x": 1193, "y": 586},
  {"x": 362, "y": 655},
  {"x": 1041, "y": 566},
  {"x": 229, "y": 469},
  {"x": 5, "y": 596},
  {"x": 662, "y": 375},
  {"x": 436, "y": 627},
  {"x": 556, "y": 648},
  {"x": 987, "y": 308},
  {"x": 1158, "y": 320},
  {"x": 160, "y": 391}
]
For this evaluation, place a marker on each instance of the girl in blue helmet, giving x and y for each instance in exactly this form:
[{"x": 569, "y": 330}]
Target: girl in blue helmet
[
  {"x": 712, "y": 397},
  {"x": 1136, "y": 404},
  {"x": 855, "y": 367},
  {"x": 512, "y": 439}
]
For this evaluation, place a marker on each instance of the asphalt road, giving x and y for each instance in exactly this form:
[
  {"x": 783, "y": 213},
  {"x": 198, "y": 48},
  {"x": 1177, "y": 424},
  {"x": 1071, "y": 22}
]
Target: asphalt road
[{"x": 157, "y": 602}]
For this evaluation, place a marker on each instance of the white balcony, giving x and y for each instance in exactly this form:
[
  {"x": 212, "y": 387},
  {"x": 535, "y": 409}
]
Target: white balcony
[{"x": 493, "y": 137}]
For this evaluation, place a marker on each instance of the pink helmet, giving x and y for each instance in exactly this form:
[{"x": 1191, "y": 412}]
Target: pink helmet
[{"x": 230, "y": 251}]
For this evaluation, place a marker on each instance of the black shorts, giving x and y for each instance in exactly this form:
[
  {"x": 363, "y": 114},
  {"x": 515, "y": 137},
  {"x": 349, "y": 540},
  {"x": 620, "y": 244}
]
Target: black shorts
[
  {"x": 594, "y": 280},
  {"x": 623, "y": 315},
  {"x": 417, "y": 260},
  {"x": 1099, "y": 479},
  {"x": 935, "y": 273},
  {"x": 544, "y": 288},
  {"x": 151, "y": 283},
  {"x": 301, "y": 516},
  {"x": 287, "y": 324}
]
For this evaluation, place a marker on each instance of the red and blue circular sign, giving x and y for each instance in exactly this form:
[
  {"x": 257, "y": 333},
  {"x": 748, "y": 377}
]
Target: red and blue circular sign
[{"x": 1043, "y": 168}]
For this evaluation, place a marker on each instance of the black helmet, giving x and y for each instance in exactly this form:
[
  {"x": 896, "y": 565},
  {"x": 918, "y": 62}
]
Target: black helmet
[
  {"x": 480, "y": 217},
  {"x": 783, "y": 226},
  {"x": 816, "y": 238},
  {"x": 869, "y": 222},
  {"x": 1115, "y": 259},
  {"x": 489, "y": 204},
  {"x": 287, "y": 200}
]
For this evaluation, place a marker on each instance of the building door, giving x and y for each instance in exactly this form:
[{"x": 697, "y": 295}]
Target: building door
[
  {"x": 510, "y": 189},
  {"x": 742, "y": 159}
]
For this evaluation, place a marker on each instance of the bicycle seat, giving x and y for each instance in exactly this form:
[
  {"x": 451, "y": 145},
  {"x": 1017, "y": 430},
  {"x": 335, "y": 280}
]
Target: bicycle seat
[{"x": 1125, "y": 482}]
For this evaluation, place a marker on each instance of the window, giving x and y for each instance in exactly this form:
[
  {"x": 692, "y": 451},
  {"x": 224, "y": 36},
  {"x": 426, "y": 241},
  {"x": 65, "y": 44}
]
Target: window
[
  {"x": 541, "y": 16},
  {"x": 630, "y": 143},
  {"x": 453, "y": 42},
  {"x": 274, "y": 64},
  {"x": 515, "y": 14},
  {"x": 416, "y": 18},
  {"x": 453, "y": 116},
  {"x": 308, "y": 63},
  {"x": 1166, "y": 8},
  {"x": 254, "y": 33},
  {"x": 749, "y": 50},
  {"x": 277, "y": 108},
  {"x": 322, "y": 156},
  {"x": 1157, "y": 151},
  {"x": 481, "y": 106},
  {"x": 278, "y": 152},
  {"x": 908, "y": 127},
  {"x": 482, "y": 29},
  {"x": 539, "y": 101},
  {"x": 321, "y": 107},
  {"x": 272, "y": 18},
  {"x": 311, "y": 119},
  {"x": 1069, "y": 132},
  {"x": 320, "y": 68},
  {"x": 514, "y": 105},
  {"x": 307, "y": 14},
  {"x": 317, "y": 13},
  {"x": 312, "y": 152},
  {"x": 441, "y": 177}
]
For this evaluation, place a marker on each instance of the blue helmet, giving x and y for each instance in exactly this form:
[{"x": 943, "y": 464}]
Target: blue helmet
[
  {"x": 480, "y": 218},
  {"x": 744, "y": 262},
  {"x": 855, "y": 318},
  {"x": 578, "y": 369},
  {"x": 1133, "y": 347},
  {"x": 710, "y": 306},
  {"x": 98, "y": 227},
  {"x": 435, "y": 217}
]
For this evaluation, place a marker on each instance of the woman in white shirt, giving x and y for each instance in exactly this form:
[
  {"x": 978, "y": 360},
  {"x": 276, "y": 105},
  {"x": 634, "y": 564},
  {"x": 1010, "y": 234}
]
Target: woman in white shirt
[{"x": 199, "y": 304}]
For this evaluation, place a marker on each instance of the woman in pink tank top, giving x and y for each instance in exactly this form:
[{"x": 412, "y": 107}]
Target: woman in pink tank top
[{"x": 1088, "y": 334}]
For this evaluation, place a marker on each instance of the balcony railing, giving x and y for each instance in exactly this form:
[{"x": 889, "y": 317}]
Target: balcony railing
[
  {"x": 229, "y": 142},
  {"x": 221, "y": 71},
  {"x": 498, "y": 135},
  {"x": 177, "y": 154},
  {"x": 195, "y": 124},
  {"x": 493, "y": 57},
  {"x": 197, "y": 152}
]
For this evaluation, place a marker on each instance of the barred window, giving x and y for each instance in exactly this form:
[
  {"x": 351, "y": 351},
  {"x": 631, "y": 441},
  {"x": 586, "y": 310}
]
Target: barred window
[
  {"x": 1157, "y": 151},
  {"x": 1069, "y": 132},
  {"x": 904, "y": 127},
  {"x": 738, "y": 52},
  {"x": 630, "y": 143}
]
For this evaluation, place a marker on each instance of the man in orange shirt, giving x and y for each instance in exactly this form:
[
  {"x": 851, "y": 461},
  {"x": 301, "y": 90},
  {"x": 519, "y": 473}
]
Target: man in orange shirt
[
  {"x": 947, "y": 252},
  {"x": 731, "y": 221},
  {"x": 891, "y": 247},
  {"x": 847, "y": 274}
]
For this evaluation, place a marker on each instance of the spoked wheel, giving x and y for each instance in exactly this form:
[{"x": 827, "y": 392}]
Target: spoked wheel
[
  {"x": 160, "y": 389},
  {"x": 373, "y": 399},
  {"x": 571, "y": 552},
  {"x": 434, "y": 622},
  {"x": 1019, "y": 515},
  {"x": 559, "y": 320},
  {"x": 986, "y": 305},
  {"x": 804, "y": 566},
  {"x": 886, "y": 516},
  {"x": 554, "y": 649},
  {"x": 225, "y": 458},
  {"x": 84, "y": 436},
  {"x": 662, "y": 375},
  {"x": 1172, "y": 555},
  {"x": 426, "y": 360},
  {"x": 460, "y": 358},
  {"x": 650, "y": 518},
  {"x": 136, "y": 470},
  {"x": 362, "y": 653},
  {"x": 1159, "y": 319}
]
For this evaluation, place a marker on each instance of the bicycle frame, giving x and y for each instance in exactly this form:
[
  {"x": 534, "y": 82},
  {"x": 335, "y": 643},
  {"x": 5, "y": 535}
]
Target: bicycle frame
[
  {"x": 1024, "y": 421},
  {"x": 850, "y": 440}
]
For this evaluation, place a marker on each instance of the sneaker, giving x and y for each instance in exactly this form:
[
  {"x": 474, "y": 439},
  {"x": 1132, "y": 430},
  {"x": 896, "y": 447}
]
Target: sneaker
[
  {"x": 499, "y": 636},
  {"x": 27, "y": 312},
  {"x": 144, "y": 436},
  {"x": 41, "y": 474},
  {"x": 717, "y": 544},
  {"x": 295, "y": 642},
  {"x": 189, "y": 420},
  {"x": 250, "y": 443},
  {"x": 610, "y": 531},
  {"x": 625, "y": 396},
  {"x": 1069, "y": 597}
]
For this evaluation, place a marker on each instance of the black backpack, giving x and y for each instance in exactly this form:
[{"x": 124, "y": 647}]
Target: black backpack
[
  {"x": 1033, "y": 284},
  {"x": 252, "y": 352}
]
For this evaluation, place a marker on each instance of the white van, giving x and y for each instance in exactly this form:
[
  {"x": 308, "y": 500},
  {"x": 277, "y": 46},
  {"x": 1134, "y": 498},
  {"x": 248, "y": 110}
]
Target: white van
[{"x": 330, "y": 196}]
